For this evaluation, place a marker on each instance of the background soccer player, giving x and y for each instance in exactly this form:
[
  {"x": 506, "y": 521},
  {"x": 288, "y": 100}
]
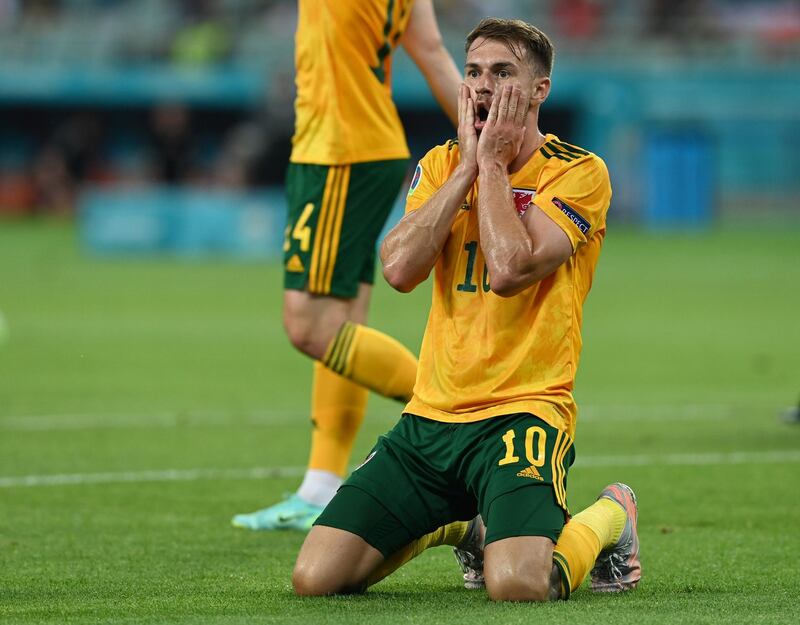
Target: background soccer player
[
  {"x": 348, "y": 162},
  {"x": 512, "y": 221}
]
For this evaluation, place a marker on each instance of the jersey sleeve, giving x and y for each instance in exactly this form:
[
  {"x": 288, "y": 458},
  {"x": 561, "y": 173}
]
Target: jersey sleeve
[
  {"x": 576, "y": 196},
  {"x": 431, "y": 173}
]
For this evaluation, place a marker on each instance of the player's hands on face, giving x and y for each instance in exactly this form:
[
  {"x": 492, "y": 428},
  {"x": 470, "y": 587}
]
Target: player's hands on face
[
  {"x": 467, "y": 135},
  {"x": 501, "y": 137}
]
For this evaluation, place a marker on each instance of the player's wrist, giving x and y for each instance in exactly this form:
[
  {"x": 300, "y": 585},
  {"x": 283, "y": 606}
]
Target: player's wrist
[
  {"x": 467, "y": 169},
  {"x": 491, "y": 165}
]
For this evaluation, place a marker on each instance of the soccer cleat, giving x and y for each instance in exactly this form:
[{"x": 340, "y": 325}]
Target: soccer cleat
[
  {"x": 618, "y": 568},
  {"x": 293, "y": 513},
  {"x": 469, "y": 555}
]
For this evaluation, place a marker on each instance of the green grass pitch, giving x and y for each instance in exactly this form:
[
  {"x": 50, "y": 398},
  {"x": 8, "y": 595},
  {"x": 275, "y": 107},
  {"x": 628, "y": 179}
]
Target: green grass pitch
[{"x": 143, "y": 402}]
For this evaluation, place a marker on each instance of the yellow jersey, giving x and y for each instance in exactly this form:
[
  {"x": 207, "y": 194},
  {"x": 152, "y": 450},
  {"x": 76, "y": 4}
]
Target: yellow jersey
[
  {"x": 344, "y": 111},
  {"x": 484, "y": 355}
]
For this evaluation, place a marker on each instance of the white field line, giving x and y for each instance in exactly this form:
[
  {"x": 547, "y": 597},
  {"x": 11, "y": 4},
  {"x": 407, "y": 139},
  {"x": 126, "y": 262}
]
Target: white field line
[
  {"x": 590, "y": 413},
  {"x": 691, "y": 459},
  {"x": 167, "y": 475},
  {"x": 43, "y": 423},
  {"x": 255, "y": 473}
]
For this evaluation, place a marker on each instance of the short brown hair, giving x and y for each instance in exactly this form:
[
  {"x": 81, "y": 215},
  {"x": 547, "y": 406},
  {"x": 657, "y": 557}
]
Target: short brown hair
[{"x": 511, "y": 32}]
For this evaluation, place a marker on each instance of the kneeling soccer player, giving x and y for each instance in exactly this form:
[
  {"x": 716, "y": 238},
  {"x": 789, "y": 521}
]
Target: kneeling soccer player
[{"x": 512, "y": 221}]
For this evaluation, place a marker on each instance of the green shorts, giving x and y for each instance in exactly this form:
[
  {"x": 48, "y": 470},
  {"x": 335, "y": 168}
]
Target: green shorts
[
  {"x": 335, "y": 215},
  {"x": 424, "y": 474}
]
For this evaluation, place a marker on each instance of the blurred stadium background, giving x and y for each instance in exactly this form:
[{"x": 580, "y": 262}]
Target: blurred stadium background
[
  {"x": 114, "y": 109},
  {"x": 144, "y": 399}
]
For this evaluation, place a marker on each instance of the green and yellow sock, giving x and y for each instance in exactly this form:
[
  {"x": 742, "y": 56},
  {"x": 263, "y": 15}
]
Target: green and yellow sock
[
  {"x": 450, "y": 534},
  {"x": 337, "y": 410},
  {"x": 589, "y": 532},
  {"x": 373, "y": 360}
]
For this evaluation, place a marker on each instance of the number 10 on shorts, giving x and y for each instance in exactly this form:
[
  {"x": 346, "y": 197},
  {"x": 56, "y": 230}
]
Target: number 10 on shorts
[{"x": 535, "y": 441}]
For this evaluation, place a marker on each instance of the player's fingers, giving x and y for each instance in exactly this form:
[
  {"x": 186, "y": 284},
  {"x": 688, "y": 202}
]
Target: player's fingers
[
  {"x": 491, "y": 118},
  {"x": 466, "y": 104},
  {"x": 523, "y": 104},
  {"x": 502, "y": 113},
  {"x": 513, "y": 103},
  {"x": 461, "y": 99}
]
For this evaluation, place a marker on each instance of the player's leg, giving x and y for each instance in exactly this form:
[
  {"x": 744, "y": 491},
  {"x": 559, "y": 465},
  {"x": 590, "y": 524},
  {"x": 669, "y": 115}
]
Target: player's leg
[
  {"x": 458, "y": 534},
  {"x": 327, "y": 319},
  {"x": 340, "y": 265},
  {"x": 337, "y": 405},
  {"x": 332, "y": 330},
  {"x": 337, "y": 410},
  {"x": 603, "y": 538},
  {"x": 524, "y": 505},
  {"x": 522, "y": 528},
  {"x": 312, "y": 320},
  {"x": 335, "y": 216},
  {"x": 519, "y": 569},
  {"x": 526, "y": 512},
  {"x": 390, "y": 503},
  {"x": 337, "y": 561},
  {"x": 333, "y": 560},
  {"x": 519, "y": 469}
]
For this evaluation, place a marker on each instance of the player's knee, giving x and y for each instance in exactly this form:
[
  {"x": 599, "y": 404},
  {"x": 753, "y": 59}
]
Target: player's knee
[
  {"x": 300, "y": 334},
  {"x": 311, "y": 332},
  {"x": 306, "y": 336},
  {"x": 514, "y": 585},
  {"x": 311, "y": 581}
]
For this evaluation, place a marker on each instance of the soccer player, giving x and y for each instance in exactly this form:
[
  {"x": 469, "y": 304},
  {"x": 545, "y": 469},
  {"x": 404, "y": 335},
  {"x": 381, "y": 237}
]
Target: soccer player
[
  {"x": 348, "y": 162},
  {"x": 511, "y": 221}
]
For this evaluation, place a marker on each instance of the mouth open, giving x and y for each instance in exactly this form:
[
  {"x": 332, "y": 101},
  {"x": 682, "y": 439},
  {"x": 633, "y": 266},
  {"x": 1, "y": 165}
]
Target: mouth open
[{"x": 481, "y": 114}]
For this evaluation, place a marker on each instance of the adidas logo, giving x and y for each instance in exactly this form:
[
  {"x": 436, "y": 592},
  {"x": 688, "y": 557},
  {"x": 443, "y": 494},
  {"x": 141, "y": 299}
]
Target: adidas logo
[
  {"x": 531, "y": 472},
  {"x": 295, "y": 265}
]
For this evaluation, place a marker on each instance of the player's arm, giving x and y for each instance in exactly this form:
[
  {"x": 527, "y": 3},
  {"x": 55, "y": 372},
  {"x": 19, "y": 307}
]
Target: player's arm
[
  {"x": 423, "y": 42},
  {"x": 518, "y": 252},
  {"x": 410, "y": 250}
]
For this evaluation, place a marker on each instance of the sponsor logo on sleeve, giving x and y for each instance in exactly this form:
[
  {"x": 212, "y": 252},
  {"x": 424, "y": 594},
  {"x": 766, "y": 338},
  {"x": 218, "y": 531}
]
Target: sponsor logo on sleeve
[
  {"x": 523, "y": 198},
  {"x": 583, "y": 225},
  {"x": 415, "y": 180}
]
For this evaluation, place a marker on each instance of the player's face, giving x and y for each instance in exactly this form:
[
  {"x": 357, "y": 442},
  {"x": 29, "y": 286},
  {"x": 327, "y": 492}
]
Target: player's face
[{"x": 491, "y": 65}]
